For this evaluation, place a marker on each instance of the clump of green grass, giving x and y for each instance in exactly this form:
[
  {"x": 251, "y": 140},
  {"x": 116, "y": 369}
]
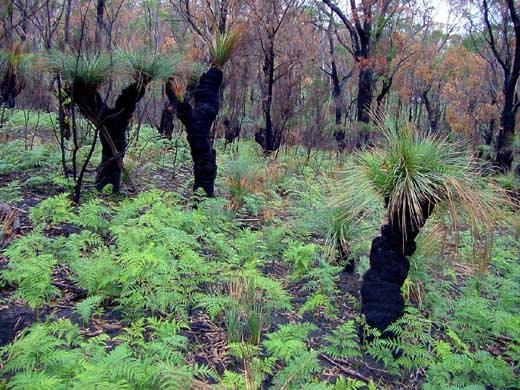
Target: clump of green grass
[
  {"x": 85, "y": 70},
  {"x": 146, "y": 64},
  {"x": 223, "y": 46},
  {"x": 344, "y": 229},
  {"x": 412, "y": 168}
]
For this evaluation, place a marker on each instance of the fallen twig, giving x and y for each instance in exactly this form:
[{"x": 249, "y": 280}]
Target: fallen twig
[
  {"x": 6, "y": 205},
  {"x": 346, "y": 370}
]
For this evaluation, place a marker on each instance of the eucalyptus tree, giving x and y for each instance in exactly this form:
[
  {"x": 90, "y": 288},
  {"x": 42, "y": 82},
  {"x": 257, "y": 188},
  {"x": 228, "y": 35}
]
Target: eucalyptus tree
[
  {"x": 502, "y": 35},
  {"x": 268, "y": 20},
  {"x": 367, "y": 23}
]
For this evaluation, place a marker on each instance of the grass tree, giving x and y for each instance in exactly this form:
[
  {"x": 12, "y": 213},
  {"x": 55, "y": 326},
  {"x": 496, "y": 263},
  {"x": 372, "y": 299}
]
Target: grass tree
[
  {"x": 13, "y": 65},
  {"x": 197, "y": 108},
  {"x": 414, "y": 174},
  {"x": 87, "y": 73}
]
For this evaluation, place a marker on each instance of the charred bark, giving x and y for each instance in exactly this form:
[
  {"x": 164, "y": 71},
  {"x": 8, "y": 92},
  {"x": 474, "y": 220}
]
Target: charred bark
[
  {"x": 198, "y": 121},
  {"x": 433, "y": 112},
  {"x": 231, "y": 129},
  {"x": 261, "y": 137},
  {"x": 10, "y": 88},
  {"x": 267, "y": 101},
  {"x": 381, "y": 298},
  {"x": 497, "y": 39},
  {"x": 385, "y": 89},
  {"x": 363, "y": 40},
  {"x": 166, "y": 127},
  {"x": 112, "y": 124},
  {"x": 365, "y": 94},
  {"x": 100, "y": 12},
  {"x": 339, "y": 135},
  {"x": 505, "y": 138}
]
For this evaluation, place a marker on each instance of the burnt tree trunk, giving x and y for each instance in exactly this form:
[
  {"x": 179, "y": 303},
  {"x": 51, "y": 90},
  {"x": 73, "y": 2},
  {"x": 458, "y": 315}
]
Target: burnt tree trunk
[
  {"x": 381, "y": 298},
  {"x": 166, "y": 127},
  {"x": 363, "y": 40},
  {"x": 231, "y": 129},
  {"x": 506, "y": 136},
  {"x": 198, "y": 121},
  {"x": 433, "y": 112},
  {"x": 267, "y": 101},
  {"x": 10, "y": 88},
  {"x": 498, "y": 37},
  {"x": 112, "y": 124},
  {"x": 365, "y": 94},
  {"x": 66, "y": 27},
  {"x": 385, "y": 89},
  {"x": 100, "y": 12},
  {"x": 339, "y": 135}
]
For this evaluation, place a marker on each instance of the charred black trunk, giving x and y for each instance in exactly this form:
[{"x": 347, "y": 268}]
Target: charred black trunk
[
  {"x": 262, "y": 136},
  {"x": 166, "y": 127},
  {"x": 9, "y": 89},
  {"x": 198, "y": 121},
  {"x": 232, "y": 129},
  {"x": 488, "y": 134},
  {"x": 385, "y": 89},
  {"x": 381, "y": 298},
  {"x": 365, "y": 94},
  {"x": 267, "y": 99},
  {"x": 339, "y": 135},
  {"x": 112, "y": 124},
  {"x": 505, "y": 139},
  {"x": 433, "y": 112}
]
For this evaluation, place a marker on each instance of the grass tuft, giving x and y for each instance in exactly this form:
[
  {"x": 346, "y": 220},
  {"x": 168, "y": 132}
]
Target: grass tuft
[
  {"x": 223, "y": 46},
  {"x": 411, "y": 168},
  {"x": 86, "y": 70},
  {"x": 147, "y": 65}
]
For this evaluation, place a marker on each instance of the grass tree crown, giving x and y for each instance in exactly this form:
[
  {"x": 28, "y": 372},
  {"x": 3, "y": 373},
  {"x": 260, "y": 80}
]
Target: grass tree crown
[
  {"x": 410, "y": 169},
  {"x": 146, "y": 64},
  {"x": 223, "y": 45},
  {"x": 91, "y": 70}
]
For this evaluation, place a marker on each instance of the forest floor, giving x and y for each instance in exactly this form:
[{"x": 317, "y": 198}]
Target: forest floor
[{"x": 142, "y": 290}]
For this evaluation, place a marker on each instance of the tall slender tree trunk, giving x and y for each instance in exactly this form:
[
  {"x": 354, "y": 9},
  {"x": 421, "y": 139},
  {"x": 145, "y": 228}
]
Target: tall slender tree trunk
[
  {"x": 506, "y": 136},
  {"x": 223, "y": 16},
  {"x": 510, "y": 65},
  {"x": 365, "y": 94},
  {"x": 267, "y": 101},
  {"x": 100, "y": 12},
  {"x": 339, "y": 135},
  {"x": 381, "y": 300},
  {"x": 66, "y": 29}
]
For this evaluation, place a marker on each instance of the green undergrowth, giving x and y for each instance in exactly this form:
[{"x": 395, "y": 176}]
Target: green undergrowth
[{"x": 263, "y": 264}]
